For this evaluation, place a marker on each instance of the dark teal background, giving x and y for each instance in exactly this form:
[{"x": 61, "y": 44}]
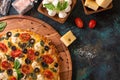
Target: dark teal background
[{"x": 103, "y": 42}]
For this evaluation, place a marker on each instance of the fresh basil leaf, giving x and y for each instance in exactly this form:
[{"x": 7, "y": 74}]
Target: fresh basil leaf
[
  {"x": 62, "y": 5},
  {"x": 49, "y": 6},
  {"x": 16, "y": 64},
  {"x": 2, "y": 26}
]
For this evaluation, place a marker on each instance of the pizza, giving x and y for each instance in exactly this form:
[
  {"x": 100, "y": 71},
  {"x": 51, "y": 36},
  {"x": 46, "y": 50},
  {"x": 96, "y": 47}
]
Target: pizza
[{"x": 25, "y": 55}]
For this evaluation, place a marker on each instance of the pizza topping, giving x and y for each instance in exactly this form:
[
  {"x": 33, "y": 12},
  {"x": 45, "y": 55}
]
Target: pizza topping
[
  {"x": 17, "y": 35},
  {"x": 34, "y": 76},
  {"x": 21, "y": 75},
  {"x": 22, "y": 45},
  {"x": 16, "y": 53},
  {"x": 37, "y": 53},
  {"x": 13, "y": 48},
  {"x": 25, "y": 37},
  {"x": 47, "y": 59},
  {"x": 46, "y": 48},
  {"x": 10, "y": 72},
  {"x": 31, "y": 54},
  {"x": 44, "y": 65},
  {"x": 36, "y": 70},
  {"x": 56, "y": 64},
  {"x": 24, "y": 51},
  {"x": 3, "y": 47},
  {"x": 54, "y": 69},
  {"x": 42, "y": 43},
  {"x": 6, "y": 65},
  {"x": 48, "y": 74},
  {"x": 12, "y": 78},
  {"x": 9, "y": 44},
  {"x": 26, "y": 69},
  {"x": 32, "y": 41},
  {"x": 9, "y": 34},
  {"x": 17, "y": 64},
  {"x": 10, "y": 58},
  {"x": 27, "y": 61}
]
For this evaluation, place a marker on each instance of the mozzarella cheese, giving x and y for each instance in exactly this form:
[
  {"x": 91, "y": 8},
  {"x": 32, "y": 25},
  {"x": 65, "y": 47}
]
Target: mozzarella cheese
[
  {"x": 40, "y": 77},
  {"x": 62, "y": 14},
  {"x": 14, "y": 73},
  {"x": 68, "y": 38},
  {"x": 68, "y": 9},
  {"x": 69, "y": 1},
  {"x": 55, "y": 2},
  {"x": 14, "y": 39},
  {"x": 103, "y": 3},
  {"x": 91, "y": 4},
  {"x": 37, "y": 46},
  {"x": 3, "y": 76},
  {"x": 2, "y": 56},
  {"x": 35, "y": 64},
  {"x": 51, "y": 12}
]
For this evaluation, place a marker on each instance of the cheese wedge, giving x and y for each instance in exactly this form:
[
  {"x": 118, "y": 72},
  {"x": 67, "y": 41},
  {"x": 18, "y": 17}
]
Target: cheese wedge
[
  {"x": 68, "y": 38},
  {"x": 103, "y": 3},
  {"x": 91, "y": 4}
]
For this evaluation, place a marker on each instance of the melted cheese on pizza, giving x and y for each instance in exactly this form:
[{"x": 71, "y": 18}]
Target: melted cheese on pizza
[{"x": 25, "y": 55}]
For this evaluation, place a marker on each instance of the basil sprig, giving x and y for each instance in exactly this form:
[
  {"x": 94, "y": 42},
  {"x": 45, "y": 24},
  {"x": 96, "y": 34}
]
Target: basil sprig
[
  {"x": 2, "y": 26},
  {"x": 17, "y": 66},
  {"x": 60, "y": 6}
]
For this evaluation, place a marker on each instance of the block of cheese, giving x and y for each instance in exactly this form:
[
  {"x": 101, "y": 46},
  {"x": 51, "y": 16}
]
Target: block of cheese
[
  {"x": 91, "y": 4},
  {"x": 68, "y": 38},
  {"x": 103, "y": 3}
]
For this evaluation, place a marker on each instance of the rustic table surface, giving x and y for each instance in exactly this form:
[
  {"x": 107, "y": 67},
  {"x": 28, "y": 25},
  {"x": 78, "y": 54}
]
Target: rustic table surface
[{"x": 96, "y": 52}]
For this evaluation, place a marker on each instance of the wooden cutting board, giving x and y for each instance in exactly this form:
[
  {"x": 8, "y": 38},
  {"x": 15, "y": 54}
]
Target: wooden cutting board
[{"x": 42, "y": 28}]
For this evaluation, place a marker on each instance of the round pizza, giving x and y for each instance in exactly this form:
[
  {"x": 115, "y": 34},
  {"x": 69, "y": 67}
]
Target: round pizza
[{"x": 25, "y": 55}]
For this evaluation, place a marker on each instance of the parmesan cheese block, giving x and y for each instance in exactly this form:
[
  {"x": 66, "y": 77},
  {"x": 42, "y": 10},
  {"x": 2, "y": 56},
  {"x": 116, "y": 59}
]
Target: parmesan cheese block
[
  {"x": 68, "y": 38},
  {"x": 103, "y": 3},
  {"x": 91, "y": 4}
]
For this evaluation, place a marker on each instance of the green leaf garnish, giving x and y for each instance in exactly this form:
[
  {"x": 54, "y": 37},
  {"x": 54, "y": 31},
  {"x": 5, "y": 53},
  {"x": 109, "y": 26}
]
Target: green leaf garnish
[
  {"x": 9, "y": 44},
  {"x": 16, "y": 64},
  {"x": 62, "y": 5},
  {"x": 17, "y": 35},
  {"x": 2, "y": 26},
  {"x": 19, "y": 75},
  {"x": 49, "y": 6}
]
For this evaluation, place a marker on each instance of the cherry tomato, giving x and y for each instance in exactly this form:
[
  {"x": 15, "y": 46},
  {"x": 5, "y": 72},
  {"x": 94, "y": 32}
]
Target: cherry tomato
[
  {"x": 3, "y": 47},
  {"x": 25, "y": 37},
  {"x": 47, "y": 59},
  {"x": 16, "y": 53},
  {"x": 31, "y": 54},
  {"x": 12, "y": 78},
  {"x": 26, "y": 69},
  {"x": 48, "y": 74},
  {"x": 92, "y": 24},
  {"x": 6, "y": 65},
  {"x": 79, "y": 22}
]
